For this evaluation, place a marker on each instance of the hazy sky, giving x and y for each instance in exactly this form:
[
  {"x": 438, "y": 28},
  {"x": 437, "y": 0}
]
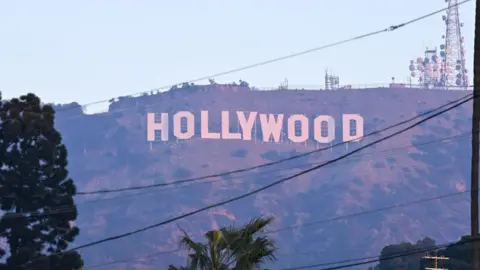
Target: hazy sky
[{"x": 97, "y": 49}]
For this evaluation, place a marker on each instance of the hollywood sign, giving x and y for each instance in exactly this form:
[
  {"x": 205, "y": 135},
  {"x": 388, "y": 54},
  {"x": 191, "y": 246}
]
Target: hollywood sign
[{"x": 271, "y": 125}]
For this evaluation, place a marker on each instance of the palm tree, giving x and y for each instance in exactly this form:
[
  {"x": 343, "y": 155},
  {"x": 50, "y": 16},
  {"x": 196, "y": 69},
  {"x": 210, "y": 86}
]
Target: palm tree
[{"x": 231, "y": 248}]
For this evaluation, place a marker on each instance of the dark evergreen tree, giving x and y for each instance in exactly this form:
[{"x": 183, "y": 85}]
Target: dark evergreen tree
[
  {"x": 460, "y": 255},
  {"x": 389, "y": 261},
  {"x": 36, "y": 193}
]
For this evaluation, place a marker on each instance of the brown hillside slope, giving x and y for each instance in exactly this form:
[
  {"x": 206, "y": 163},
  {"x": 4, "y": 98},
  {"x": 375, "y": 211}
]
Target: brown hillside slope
[{"x": 111, "y": 151}]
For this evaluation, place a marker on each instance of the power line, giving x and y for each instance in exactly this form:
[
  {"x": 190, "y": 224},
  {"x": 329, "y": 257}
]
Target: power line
[
  {"x": 379, "y": 259},
  {"x": 386, "y": 151},
  {"x": 132, "y": 260},
  {"x": 349, "y": 154},
  {"x": 336, "y": 218},
  {"x": 69, "y": 208},
  {"x": 274, "y": 162},
  {"x": 392, "y": 28},
  {"x": 381, "y": 209},
  {"x": 308, "y": 164},
  {"x": 66, "y": 209},
  {"x": 266, "y": 186},
  {"x": 334, "y": 44},
  {"x": 435, "y": 261}
]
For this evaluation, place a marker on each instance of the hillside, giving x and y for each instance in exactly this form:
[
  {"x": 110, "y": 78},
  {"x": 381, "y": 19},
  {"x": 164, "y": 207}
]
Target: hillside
[{"x": 110, "y": 150}]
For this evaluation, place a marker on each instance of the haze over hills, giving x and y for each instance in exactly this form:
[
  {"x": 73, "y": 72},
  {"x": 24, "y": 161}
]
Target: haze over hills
[{"x": 110, "y": 150}]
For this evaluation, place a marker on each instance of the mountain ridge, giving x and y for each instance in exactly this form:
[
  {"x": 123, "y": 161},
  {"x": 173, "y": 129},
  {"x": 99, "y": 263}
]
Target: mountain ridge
[{"x": 110, "y": 150}]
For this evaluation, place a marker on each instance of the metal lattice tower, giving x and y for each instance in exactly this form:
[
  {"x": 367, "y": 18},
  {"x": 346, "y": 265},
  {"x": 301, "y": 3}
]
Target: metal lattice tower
[
  {"x": 453, "y": 52},
  {"x": 448, "y": 69},
  {"x": 331, "y": 81}
]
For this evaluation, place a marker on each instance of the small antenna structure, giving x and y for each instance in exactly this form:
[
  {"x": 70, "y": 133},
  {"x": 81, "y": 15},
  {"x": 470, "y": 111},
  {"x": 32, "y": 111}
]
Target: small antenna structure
[{"x": 331, "y": 81}]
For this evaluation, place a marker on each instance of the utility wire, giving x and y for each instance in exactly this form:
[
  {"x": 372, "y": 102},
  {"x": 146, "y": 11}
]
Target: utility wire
[
  {"x": 303, "y": 225},
  {"x": 274, "y": 162},
  {"x": 66, "y": 209},
  {"x": 334, "y": 44},
  {"x": 266, "y": 186},
  {"x": 318, "y": 222},
  {"x": 346, "y": 263},
  {"x": 381, "y": 209},
  {"x": 108, "y": 239},
  {"x": 69, "y": 208},
  {"x": 133, "y": 259},
  {"x": 391, "y": 28},
  {"x": 369, "y": 260}
]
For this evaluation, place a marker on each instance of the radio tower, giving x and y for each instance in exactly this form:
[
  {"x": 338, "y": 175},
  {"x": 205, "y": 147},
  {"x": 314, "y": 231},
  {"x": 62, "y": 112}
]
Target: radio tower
[
  {"x": 452, "y": 51},
  {"x": 447, "y": 70}
]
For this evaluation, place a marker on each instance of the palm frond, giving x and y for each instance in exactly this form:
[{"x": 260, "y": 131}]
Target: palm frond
[
  {"x": 231, "y": 248},
  {"x": 256, "y": 225}
]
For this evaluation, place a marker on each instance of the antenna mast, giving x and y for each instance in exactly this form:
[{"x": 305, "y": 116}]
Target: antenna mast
[
  {"x": 454, "y": 52},
  {"x": 331, "y": 81},
  {"x": 448, "y": 69},
  {"x": 283, "y": 85}
]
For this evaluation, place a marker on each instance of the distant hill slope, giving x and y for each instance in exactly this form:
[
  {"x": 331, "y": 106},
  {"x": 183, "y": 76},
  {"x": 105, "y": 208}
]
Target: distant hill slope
[{"x": 111, "y": 151}]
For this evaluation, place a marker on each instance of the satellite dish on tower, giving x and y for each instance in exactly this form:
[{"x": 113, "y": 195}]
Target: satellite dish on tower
[{"x": 440, "y": 67}]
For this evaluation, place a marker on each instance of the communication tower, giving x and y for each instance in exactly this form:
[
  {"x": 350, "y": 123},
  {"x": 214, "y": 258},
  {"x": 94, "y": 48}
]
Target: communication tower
[
  {"x": 331, "y": 81},
  {"x": 446, "y": 68},
  {"x": 283, "y": 85},
  {"x": 427, "y": 70}
]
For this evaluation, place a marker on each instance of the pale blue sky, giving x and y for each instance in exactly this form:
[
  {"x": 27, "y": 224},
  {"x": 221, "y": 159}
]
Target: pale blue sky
[{"x": 96, "y": 49}]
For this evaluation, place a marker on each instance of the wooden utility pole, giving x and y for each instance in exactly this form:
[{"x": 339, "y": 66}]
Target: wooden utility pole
[
  {"x": 435, "y": 259},
  {"x": 475, "y": 143}
]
